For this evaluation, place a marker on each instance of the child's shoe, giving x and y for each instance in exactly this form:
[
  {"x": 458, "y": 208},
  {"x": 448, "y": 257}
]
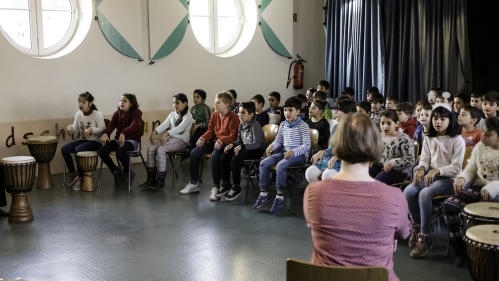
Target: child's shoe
[
  {"x": 262, "y": 200},
  {"x": 213, "y": 194},
  {"x": 277, "y": 206},
  {"x": 233, "y": 193}
]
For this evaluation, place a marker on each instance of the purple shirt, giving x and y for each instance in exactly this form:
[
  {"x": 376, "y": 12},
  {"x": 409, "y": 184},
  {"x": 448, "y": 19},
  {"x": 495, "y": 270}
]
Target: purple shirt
[{"x": 355, "y": 223}]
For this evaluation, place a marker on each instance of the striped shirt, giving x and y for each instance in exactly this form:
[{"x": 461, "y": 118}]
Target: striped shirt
[{"x": 293, "y": 136}]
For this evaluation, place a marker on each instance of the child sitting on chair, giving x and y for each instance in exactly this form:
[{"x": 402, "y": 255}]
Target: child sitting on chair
[
  {"x": 274, "y": 108},
  {"x": 127, "y": 122},
  {"x": 397, "y": 160},
  {"x": 324, "y": 164},
  {"x": 468, "y": 118},
  {"x": 88, "y": 126},
  {"x": 290, "y": 148},
  {"x": 201, "y": 115},
  {"x": 250, "y": 144},
  {"x": 478, "y": 182},
  {"x": 177, "y": 131},
  {"x": 222, "y": 130},
  {"x": 261, "y": 116}
]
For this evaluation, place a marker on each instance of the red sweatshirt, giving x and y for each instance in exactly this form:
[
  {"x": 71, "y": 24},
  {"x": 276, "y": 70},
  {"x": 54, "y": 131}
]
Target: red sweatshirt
[
  {"x": 408, "y": 127},
  {"x": 127, "y": 123},
  {"x": 222, "y": 129}
]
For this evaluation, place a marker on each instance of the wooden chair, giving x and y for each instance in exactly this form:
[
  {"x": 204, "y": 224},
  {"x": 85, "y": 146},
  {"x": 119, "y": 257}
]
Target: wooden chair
[
  {"x": 304, "y": 271},
  {"x": 274, "y": 119},
  {"x": 295, "y": 170},
  {"x": 439, "y": 199},
  {"x": 467, "y": 156},
  {"x": 269, "y": 132}
]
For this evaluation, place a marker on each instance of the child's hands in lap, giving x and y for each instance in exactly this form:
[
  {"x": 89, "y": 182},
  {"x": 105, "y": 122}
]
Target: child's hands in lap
[{"x": 289, "y": 154}]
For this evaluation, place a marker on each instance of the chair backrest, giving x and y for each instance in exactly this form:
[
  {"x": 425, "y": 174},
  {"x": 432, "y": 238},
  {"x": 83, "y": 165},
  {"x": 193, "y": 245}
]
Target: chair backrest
[
  {"x": 467, "y": 155},
  {"x": 192, "y": 126},
  {"x": 416, "y": 151},
  {"x": 141, "y": 127},
  {"x": 314, "y": 139},
  {"x": 270, "y": 132},
  {"x": 274, "y": 118},
  {"x": 331, "y": 122},
  {"x": 304, "y": 271}
]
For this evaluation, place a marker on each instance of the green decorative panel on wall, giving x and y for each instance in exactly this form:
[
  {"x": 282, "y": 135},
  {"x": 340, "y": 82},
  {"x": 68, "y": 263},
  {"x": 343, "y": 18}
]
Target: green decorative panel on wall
[
  {"x": 168, "y": 20},
  {"x": 276, "y": 22},
  {"x": 121, "y": 24}
]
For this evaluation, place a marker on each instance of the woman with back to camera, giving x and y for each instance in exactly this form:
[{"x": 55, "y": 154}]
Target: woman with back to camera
[{"x": 355, "y": 219}]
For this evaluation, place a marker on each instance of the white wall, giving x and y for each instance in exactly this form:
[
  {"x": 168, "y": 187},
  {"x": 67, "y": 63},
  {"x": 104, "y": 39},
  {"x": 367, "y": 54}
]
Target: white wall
[{"x": 36, "y": 89}]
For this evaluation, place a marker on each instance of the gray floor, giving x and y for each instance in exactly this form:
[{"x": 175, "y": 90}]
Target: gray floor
[{"x": 116, "y": 235}]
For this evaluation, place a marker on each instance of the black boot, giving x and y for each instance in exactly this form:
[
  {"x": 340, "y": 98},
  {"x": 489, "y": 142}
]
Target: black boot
[
  {"x": 458, "y": 251},
  {"x": 118, "y": 177},
  {"x": 151, "y": 177},
  {"x": 160, "y": 181}
]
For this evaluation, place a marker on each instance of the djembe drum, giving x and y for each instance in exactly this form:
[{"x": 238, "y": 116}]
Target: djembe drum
[
  {"x": 480, "y": 213},
  {"x": 482, "y": 245},
  {"x": 18, "y": 175},
  {"x": 87, "y": 163},
  {"x": 43, "y": 149}
]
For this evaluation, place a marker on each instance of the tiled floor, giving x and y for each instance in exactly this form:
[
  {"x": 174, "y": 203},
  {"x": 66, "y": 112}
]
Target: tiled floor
[{"x": 142, "y": 235}]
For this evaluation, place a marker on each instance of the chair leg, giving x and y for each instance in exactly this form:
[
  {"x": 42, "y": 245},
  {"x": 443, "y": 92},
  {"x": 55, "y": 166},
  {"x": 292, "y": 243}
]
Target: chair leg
[
  {"x": 174, "y": 165},
  {"x": 64, "y": 177},
  {"x": 100, "y": 172},
  {"x": 201, "y": 170},
  {"x": 248, "y": 178},
  {"x": 129, "y": 171}
]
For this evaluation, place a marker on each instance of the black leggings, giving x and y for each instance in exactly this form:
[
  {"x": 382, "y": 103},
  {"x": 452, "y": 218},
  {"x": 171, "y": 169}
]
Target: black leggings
[
  {"x": 121, "y": 154},
  {"x": 230, "y": 162}
]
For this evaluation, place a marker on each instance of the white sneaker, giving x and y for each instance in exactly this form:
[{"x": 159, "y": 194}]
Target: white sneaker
[
  {"x": 213, "y": 194},
  {"x": 190, "y": 188}
]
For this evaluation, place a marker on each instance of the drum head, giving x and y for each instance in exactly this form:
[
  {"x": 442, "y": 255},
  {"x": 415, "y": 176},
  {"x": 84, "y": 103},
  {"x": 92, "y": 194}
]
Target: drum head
[
  {"x": 483, "y": 209},
  {"x": 18, "y": 160},
  {"x": 86, "y": 153},
  {"x": 486, "y": 234},
  {"x": 41, "y": 139}
]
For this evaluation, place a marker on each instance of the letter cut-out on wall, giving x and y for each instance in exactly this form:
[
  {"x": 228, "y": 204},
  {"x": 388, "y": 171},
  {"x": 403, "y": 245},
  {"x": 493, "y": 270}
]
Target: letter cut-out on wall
[
  {"x": 121, "y": 24},
  {"x": 276, "y": 22},
  {"x": 168, "y": 22}
]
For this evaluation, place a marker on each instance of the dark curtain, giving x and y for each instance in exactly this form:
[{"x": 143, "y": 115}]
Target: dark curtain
[
  {"x": 424, "y": 44},
  {"x": 483, "y": 28},
  {"x": 354, "y": 46}
]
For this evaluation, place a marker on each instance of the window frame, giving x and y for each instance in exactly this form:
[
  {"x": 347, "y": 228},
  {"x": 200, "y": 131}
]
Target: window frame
[
  {"x": 36, "y": 28},
  {"x": 213, "y": 33}
]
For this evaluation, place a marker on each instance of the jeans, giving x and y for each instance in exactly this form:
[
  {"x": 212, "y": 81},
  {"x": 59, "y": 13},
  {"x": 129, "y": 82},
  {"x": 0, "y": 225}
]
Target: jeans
[
  {"x": 281, "y": 169},
  {"x": 419, "y": 198},
  {"x": 75, "y": 147}
]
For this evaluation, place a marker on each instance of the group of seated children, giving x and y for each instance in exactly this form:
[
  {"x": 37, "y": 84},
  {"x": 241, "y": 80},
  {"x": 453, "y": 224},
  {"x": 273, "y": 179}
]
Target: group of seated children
[{"x": 443, "y": 127}]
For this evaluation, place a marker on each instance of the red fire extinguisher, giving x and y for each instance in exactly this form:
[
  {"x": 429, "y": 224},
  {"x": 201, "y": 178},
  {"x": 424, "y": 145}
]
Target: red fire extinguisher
[{"x": 298, "y": 73}]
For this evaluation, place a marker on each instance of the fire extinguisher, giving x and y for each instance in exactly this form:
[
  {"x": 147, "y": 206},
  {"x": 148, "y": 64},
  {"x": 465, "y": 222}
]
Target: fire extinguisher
[{"x": 298, "y": 73}]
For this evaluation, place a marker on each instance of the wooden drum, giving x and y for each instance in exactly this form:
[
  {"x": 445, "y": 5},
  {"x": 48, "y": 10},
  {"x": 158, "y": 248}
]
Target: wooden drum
[
  {"x": 480, "y": 213},
  {"x": 43, "y": 148},
  {"x": 18, "y": 175},
  {"x": 482, "y": 244},
  {"x": 87, "y": 163}
]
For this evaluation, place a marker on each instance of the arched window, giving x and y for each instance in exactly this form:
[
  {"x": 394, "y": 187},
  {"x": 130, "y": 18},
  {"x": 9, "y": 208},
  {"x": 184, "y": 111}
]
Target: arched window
[
  {"x": 216, "y": 23},
  {"x": 38, "y": 27}
]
